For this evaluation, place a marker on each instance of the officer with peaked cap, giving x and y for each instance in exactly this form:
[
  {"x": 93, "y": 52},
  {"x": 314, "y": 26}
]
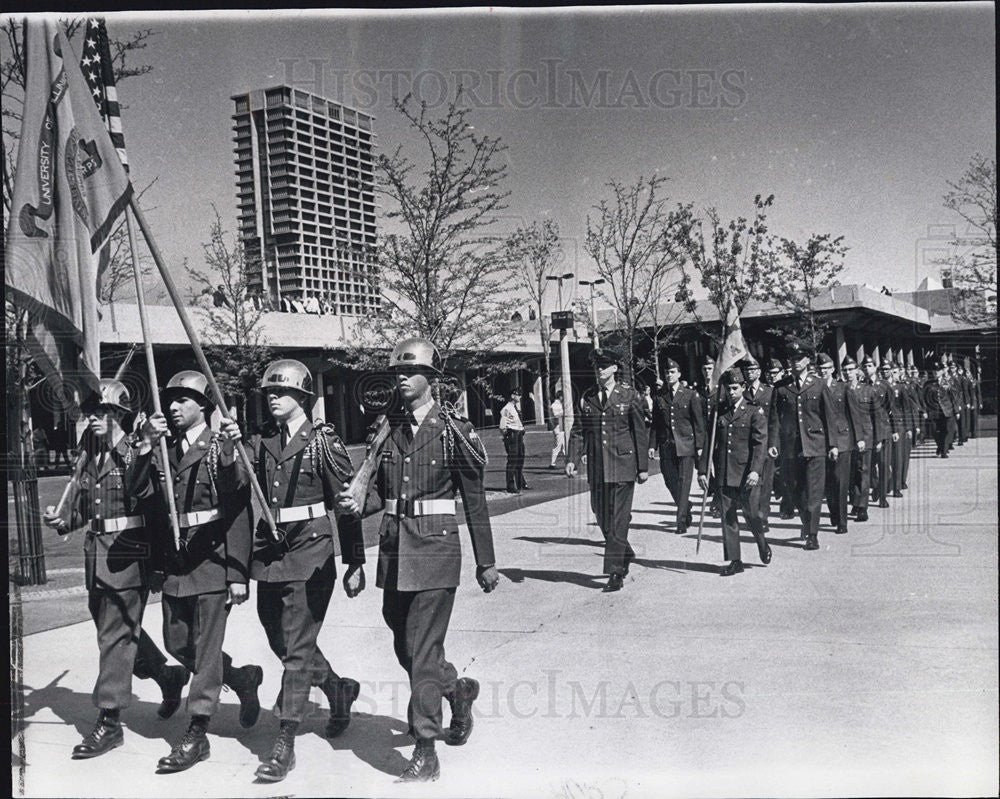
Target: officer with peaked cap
[
  {"x": 882, "y": 432},
  {"x": 610, "y": 432},
  {"x": 738, "y": 460},
  {"x": 302, "y": 466},
  {"x": 119, "y": 570},
  {"x": 803, "y": 423},
  {"x": 762, "y": 395},
  {"x": 429, "y": 456},
  {"x": 208, "y": 571},
  {"x": 859, "y": 397},
  {"x": 940, "y": 408},
  {"x": 847, "y": 435},
  {"x": 678, "y": 431}
]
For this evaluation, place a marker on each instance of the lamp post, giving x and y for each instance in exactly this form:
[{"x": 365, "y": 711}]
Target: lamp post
[
  {"x": 593, "y": 312},
  {"x": 567, "y": 386}
]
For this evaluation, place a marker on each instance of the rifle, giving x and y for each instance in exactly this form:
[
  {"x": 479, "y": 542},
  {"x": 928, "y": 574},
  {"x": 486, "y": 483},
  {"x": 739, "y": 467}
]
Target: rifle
[{"x": 361, "y": 483}]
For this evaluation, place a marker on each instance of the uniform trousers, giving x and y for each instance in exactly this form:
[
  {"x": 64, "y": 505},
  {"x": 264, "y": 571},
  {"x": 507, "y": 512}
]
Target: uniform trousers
[
  {"x": 677, "y": 472},
  {"x": 748, "y": 500},
  {"x": 861, "y": 473},
  {"x": 943, "y": 434},
  {"x": 513, "y": 442},
  {"x": 193, "y": 630},
  {"x": 785, "y": 478},
  {"x": 419, "y": 623},
  {"x": 904, "y": 466},
  {"x": 765, "y": 487},
  {"x": 881, "y": 464},
  {"x": 952, "y": 431},
  {"x": 973, "y": 423},
  {"x": 898, "y": 456},
  {"x": 612, "y": 505},
  {"x": 963, "y": 426},
  {"x": 838, "y": 487},
  {"x": 558, "y": 444},
  {"x": 806, "y": 478},
  {"x": 292, "y": 614},
  {"x": 125, "y": 648}
]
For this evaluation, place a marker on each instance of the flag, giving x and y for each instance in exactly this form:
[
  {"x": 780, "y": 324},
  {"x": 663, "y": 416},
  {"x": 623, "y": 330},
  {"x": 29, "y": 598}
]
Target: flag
[
  {"x": 734, "y": 348},
  {"x": 97, "y": 67},
  {"x": 69, "y": 190}
]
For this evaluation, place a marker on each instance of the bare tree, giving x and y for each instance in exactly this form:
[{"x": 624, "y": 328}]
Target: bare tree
[
  {"x": 665, "y": 311},
  {"x": 628, "y": 238},
  {"x": 731, "y": 260},
  {"x": 534, "y": 253},
  {"x": 972, "y": 268},
  {"x": 237, "y": 346}
]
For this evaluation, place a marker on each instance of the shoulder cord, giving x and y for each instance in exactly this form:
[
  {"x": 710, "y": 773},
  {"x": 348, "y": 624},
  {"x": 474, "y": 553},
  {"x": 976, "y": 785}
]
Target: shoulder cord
[
  {"x": 319, "y": 451},
  {"x": 451, "y": 433}
]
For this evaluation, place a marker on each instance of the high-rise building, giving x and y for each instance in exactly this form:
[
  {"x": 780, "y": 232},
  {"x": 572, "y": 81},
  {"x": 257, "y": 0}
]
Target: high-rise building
[{"x": 306, "y": 195}]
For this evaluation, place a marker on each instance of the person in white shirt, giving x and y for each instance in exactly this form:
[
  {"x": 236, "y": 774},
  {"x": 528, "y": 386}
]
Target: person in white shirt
[
  {"x": 512, "y": 429},
  {"x": 556, "y": 426}
]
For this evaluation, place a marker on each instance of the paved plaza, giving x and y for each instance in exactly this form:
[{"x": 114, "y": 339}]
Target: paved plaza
[{"x": 866, "y": 668}]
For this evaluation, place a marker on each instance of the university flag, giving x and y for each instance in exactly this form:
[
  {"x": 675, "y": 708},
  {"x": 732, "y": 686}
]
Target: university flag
[
  {"x": 69, "y": 190},
  {"x": 734, "y": 348}
]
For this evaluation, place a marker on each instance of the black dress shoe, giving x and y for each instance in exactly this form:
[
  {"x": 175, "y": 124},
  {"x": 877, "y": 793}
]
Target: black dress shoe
[
  {"x": 736, "y": 567},
  {"x": 883, "y": 503},
  {"x": 192, "y": 749},
  {"x": 765, "y": 527},
  {"x": 172, "y": 680},
  {"x": 811, "y": 543},
  {"x": 629, "y": 557},
  {"x": 841, "y": 529},
  {"x": 765, "y": 553},
  {"x": 862, "y": 515},
  {"x": 106, "y": 735},
  {"x": 341, "y": 693},
  {"x": 423, "y": 766},
  {"x": 896, "y": 494},
  {"x": 525, "y": 488},
  {"x": 245, "y": 681},
  {"x": 281, "y": 759},
  {"x": 905, "y": 487},
  {"x": 787, "y": 514},
  {"x": 615, "y": 583},
  {"x": 461, "y": 699},
  {"x": 682, "y": 529}
]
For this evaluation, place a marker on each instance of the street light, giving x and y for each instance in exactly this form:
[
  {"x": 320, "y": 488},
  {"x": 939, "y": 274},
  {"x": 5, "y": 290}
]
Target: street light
[
  {"x": 593, "y": 313},
  {"x": 567, "y": 387}
]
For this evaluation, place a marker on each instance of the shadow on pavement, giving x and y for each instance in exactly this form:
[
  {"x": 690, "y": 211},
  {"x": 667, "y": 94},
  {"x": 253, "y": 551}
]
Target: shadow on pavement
[
  {"x": 552, "y": 576},
  {"x": 541, "y": 539}
]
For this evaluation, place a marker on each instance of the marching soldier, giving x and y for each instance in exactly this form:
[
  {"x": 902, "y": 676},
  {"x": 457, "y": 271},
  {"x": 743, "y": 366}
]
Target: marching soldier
[
  {"x": 940, "y": 410},
  {"x": 708, "y": 400},
  {"x": 207, "y": 571},
  {"x": 738, "y": 459},
  {"x": 119, "y": 571},
  {"x": 801, "y": 427},
  {"x": 883, "y": 433},
  {"x": 429, "y": 456},
  {"x": 968, "y": 396},
  {"x": 977, "y": 402},
  {"x": 302, "y": 467},
  {"x": 958, "y": 402},
  {"x": 859, "y": 396},
  {"x": 917, "y": 395},
  {"x": 761, "y": 395},
  {"x": 679, "y": 432},
  {"x": 611, "y": 434},
  {"x": 847, "y": 435},
  {"x": 899, "y": 416},
  {"x": 912, "y": 408}
]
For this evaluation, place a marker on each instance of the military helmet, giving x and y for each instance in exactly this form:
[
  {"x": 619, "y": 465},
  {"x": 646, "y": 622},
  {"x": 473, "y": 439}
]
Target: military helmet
[
  {"x": 415, "y": 352},
  {"x": 114, "y": 394},
  {"x": 188, "y": 383},
  {"x": 288, "y": 373}
]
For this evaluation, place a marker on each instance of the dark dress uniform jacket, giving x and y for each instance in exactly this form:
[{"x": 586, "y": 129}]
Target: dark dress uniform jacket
[
  {"x": 849, "y": 418},
  {"x": 679, "y": 420},
  {"x": 302, "y": 474},
  {"x": 613, "y": 436},
  {"x": 213, "y": 554},
  {"x": 423, "y": 552},
  {"x": 115, "y": 561},
  {"x": 882, "y": 405},
  {"x": 859, "y": 398},
  {"x": 938, "y": 401},
  {"x": 763, "y": 397},
  {"x": 806, "y": 414},
  {"x": 740, "y": 444}
]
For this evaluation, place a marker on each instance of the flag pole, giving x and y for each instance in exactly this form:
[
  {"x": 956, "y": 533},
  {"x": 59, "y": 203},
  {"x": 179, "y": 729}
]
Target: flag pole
[
  {"x": 199, "y": 354},
  {"x": 711, "y": 465},
  {"x": 154, "y": 383}
]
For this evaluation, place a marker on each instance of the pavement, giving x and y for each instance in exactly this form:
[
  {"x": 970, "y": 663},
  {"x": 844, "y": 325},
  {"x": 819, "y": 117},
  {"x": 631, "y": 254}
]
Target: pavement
[{"x": 868, "y": 667}]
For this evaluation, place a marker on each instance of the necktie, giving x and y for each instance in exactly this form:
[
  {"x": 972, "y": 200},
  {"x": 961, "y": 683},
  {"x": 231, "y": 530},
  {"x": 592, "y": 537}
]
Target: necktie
[
  {"x": 284, "y": 436},
  {"x": 411, "y": 422}
]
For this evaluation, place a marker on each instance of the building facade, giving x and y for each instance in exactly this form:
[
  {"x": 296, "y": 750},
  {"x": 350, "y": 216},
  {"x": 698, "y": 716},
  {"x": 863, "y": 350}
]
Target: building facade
[{"x": 306, "y": 199}]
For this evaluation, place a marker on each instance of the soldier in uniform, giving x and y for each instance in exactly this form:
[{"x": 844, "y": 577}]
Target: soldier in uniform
[
  {"x": 708, "y": 400},
  {"x": 940, "y": 410},
  {"x": 847, "y": 435},
  {"x": 612, "y": 436},
  {"x": 910, "y": 407},
  {"x": 302, "y": 466},
  {"x": 977, "y": 402},
  {"x": 679, "y": 431},
  {"x": 738, "y": 459},
  {"x": 916, "y": 394},
  {"x": 801, "y": 426},
  {"x": 859, "y": 397},
  {"x": 512, "y": 430},
  {"x": 430, "y": 456},
  {"x": 118, "y": 571},
  {"x": 958, "y": 402},
  {"x": 883, "y": 433},
  {"x": 207, "y": 571},
  {"x": 761, "y": 395}
]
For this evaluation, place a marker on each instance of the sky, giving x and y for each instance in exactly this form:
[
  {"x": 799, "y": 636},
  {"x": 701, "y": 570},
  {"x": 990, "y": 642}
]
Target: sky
[{"x": 854, "y": 117}]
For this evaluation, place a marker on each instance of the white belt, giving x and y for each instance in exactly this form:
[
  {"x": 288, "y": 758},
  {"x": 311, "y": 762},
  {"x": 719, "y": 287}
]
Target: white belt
[
  {"x": 300, "y": 513},
  {"x": 198, "y": 517},
  {"x": 421, "y": 507},
  {"x": 103, "y": 526}
]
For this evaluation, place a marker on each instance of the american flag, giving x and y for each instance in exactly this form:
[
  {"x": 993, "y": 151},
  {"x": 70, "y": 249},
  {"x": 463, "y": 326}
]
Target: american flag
[{"x": 98, "y": 70}]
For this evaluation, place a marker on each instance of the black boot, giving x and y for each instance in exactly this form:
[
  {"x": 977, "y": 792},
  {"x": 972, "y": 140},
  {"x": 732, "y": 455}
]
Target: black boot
[
  {"x": 341, "y": 692},
  {"x": 466, "y": 692},
  {"x": 281, "y": 760},
  {"x": 171, "y": 680},
  {"x": 192, "y": 749},
  {"x": 244, "y": 682},
  {"x": 424, "y": 765},
  {"x": 106, "y": 735}
]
